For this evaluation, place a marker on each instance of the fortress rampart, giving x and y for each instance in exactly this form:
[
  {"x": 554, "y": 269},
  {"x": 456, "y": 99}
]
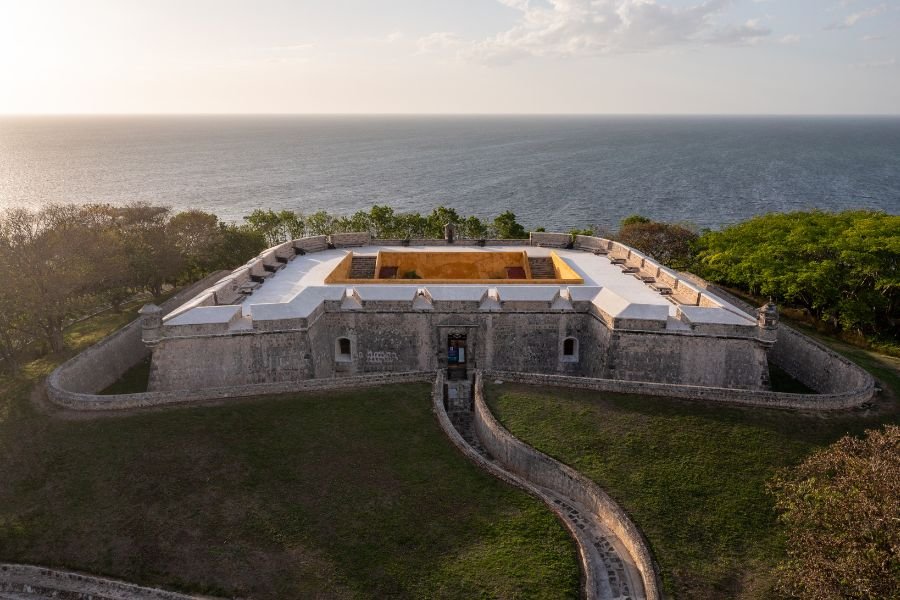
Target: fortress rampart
[{"x": 222, "y": 342}]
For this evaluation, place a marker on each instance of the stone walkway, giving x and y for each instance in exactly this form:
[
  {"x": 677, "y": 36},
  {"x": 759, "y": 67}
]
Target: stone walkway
[
  {"x": 615, "y": 575},
  {"x": 27, "y": 582}
]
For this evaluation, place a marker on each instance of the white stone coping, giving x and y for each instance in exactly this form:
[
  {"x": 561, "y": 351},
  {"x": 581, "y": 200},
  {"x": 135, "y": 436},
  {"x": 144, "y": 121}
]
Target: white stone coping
[
  {"x": 713, "y": 315},
  {"x": 456, "y": 293},
  {"x": 207, "y": 315},
  {"x": 386, "y": 293},
  {"x": 618, "y": 307},
  {"x": 583, "y": 293},
  {"x": 527, "y": 293},
  {"x": 301, "y": 307}
]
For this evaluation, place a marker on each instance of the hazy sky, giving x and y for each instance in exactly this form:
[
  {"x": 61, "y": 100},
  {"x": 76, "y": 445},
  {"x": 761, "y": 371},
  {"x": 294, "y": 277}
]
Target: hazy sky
[{"x": 450, "y": 56}]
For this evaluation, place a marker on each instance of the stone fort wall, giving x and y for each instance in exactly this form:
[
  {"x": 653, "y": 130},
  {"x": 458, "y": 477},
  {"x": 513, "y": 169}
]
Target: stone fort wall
[
  {"x": 101, "y": 365},
  {"x": 527, "y": 341},
  {"x": 388, "y": 343}
]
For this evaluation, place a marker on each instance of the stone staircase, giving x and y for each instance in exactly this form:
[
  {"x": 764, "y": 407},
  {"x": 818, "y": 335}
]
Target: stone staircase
[
  {"x": 362, "y": 267},
  {"x": 541, "y": 267}
]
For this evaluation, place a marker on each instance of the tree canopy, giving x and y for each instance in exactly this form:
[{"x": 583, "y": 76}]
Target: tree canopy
[
  {"x": 384, "y": 223},
  {"x": 670, "y": 243},
  {"x": 841, "y": 513},
  {"x": 842, "y": 267},
  {"x": 61, "y": 261}
]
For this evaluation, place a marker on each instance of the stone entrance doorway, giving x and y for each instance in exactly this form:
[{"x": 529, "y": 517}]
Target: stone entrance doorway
[{"x": 457, "y": 355}]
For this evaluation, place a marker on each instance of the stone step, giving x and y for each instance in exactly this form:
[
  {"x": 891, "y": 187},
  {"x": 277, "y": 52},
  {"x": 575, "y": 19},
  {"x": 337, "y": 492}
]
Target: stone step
[
  {"x": 541, "y": 267},
  {"x": 362, "y": 267}
]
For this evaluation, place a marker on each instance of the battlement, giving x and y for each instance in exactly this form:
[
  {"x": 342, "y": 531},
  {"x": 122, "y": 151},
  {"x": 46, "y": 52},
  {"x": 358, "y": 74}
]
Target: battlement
[{"x": 286, "y": 287}]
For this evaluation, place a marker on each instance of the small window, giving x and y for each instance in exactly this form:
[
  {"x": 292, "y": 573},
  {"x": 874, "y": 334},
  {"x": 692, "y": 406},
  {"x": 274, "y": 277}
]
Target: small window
[
  {"x": 344, "y": 353},
  {"x": 569, "y": 350}
]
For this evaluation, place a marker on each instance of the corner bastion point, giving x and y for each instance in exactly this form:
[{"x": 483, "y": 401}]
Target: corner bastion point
[{"x": 325, "y": 307}]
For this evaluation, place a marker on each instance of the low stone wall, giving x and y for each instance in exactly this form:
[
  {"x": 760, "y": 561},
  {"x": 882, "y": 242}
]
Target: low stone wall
[
  {"x": 766, "y": 399},
  {"x": 805, "y": 359},
  {"x": 437, "y": 398},
  {"x": 316, "y": 243},
  {"x": 66, "y": 585},
  {"x": 543, "y": 470},
  {"x": 550, "y": 240},
  {"x": 83, "y": 401},
  {"x": 105, "y": 362},
  {"x": 345, "y": 240},
  {"x": 816, "y": 365}
]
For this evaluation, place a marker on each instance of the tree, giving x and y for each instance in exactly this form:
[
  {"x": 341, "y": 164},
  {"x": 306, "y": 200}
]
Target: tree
[
  {"x": 670, "y": 244},
  {"x": 841, "y": 513},
  {"x": 507, "y": 228},
  {"x": 234, "y": 245},
  {"x": 59, "y": 260},
  {"x": 439, "y": 217},
  {"x": 634, "y": 220},
  {"x": 14, "y": 318},
  {"x": 587, "y": 231},
  {"x": 383, "y": 222},
  {"x": 194, "y": 233},
  {"x": 276, "y": 227},
  {"x": 411, "y": 225},
  {"x": 474, "y": 228},
  {"x": 844, "y": 268},
  {"x": 320, "y": 223},
  {"x": 152, "y": 253}
]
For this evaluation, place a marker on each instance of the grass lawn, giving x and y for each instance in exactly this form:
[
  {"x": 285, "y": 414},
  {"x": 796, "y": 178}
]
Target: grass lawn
[
  {"x": 351, "y": 494},
  {"x": 691, "y": 475}
]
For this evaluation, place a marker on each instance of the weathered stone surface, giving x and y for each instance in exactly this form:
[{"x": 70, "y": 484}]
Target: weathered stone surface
[
  {"x": 344, "y": 240},
  {"x": 550, "y": 240},
  {"x": 693, "y": 354},
  {"x": 544, "y": 471},
  {"x": 36, "y": 583},
  {"x": 398, "y": 338},
  {"x": 614, "y": 557}
]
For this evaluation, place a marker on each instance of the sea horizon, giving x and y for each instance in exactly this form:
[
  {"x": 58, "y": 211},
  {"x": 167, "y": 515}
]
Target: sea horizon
[{"x": 552, "y": 170}]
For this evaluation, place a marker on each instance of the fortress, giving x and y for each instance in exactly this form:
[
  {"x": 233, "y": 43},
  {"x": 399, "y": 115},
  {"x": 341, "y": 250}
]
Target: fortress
[
  {"x": 348, "y": 311},
  {"x": 346, "y": 304}
]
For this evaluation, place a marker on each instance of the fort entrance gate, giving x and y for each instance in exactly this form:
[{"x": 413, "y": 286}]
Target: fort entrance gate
[{"x": 457, "y": 355}]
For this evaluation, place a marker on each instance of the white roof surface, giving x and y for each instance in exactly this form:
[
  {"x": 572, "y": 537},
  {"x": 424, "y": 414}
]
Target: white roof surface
[
  {"x": 206, "y": 315},
  {"x": 298, "y": 288},
  {"x": 527, "y": 293},
  {"x": 712, "y": 314}
]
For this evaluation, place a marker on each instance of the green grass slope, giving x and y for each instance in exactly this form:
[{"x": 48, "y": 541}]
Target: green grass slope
[
  {"x": 691, "y": 475},
  {"x": 353, "y": 494}
]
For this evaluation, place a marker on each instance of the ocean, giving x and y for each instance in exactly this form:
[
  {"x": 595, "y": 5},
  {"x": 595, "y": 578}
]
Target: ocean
[{"x": 556, "y": 172}]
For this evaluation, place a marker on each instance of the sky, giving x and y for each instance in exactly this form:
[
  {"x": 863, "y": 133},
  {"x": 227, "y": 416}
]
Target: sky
[{"x": 450, "y": 56}]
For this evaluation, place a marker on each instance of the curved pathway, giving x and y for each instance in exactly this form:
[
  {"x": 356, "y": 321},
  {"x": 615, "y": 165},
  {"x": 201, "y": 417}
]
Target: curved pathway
[
  {"x": 28, "y": 582},
  {"x": 609, "y": 569}
]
